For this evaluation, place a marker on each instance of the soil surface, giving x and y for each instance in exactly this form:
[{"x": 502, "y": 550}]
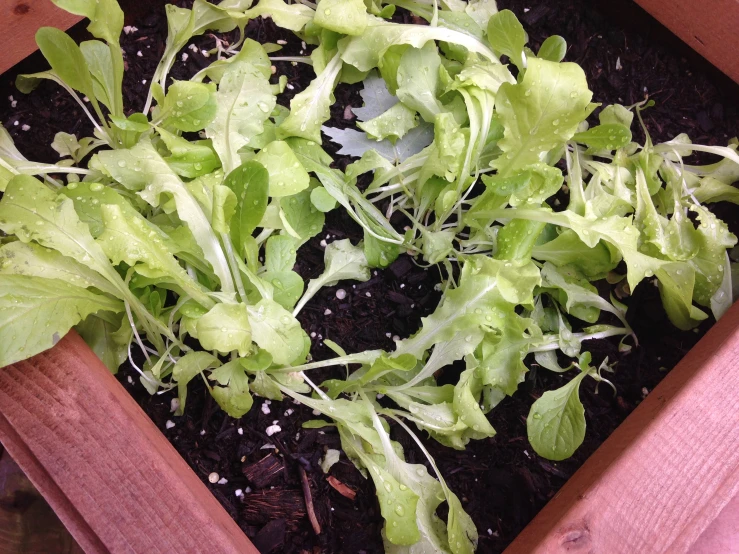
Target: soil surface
[{"x": 501, "y": 482}]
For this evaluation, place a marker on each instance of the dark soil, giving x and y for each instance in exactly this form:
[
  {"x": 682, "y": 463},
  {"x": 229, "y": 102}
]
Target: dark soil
[{"x": 501, "y": 482}]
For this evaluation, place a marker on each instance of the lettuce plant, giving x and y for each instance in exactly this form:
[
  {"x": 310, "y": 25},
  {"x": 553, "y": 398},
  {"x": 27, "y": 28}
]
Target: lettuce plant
[{"x": 144, "y": 238}]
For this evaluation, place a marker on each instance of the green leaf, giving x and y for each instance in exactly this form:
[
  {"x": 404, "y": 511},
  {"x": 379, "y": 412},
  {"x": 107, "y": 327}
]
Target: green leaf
[
  {"x": 348, "y": 17},
  {"x": 66, "y": 59},
  {"x": 66, "y": 144},
  {"x": 553, "y": 49},
  {"x": 379, "y": 253},
  {"x": 275, "y": 330},
  {"x": 713, "y": 190},
  {"x": 322, "y": 200},
  {"x": 19, "y": 258},
  {"x": 224, "y": 207},
  {"x": 190, "y": 159},
  {"x": 713, "y": 240},
  {"x": 189, "y": 106},
  {"x": 32, "y": 212},
  {"x": 365, "y": 51},
  {"x": 286, "y": 175},
  {"x": 141, "y": 167},
  {"x": 541, "y": 112},
  {"x": 568, "y": 249},
  {"x": 106, "y": 17},
  {"x": 437, "y": 245},
  {"x": 418, "y": 81},
  {"x": 517, "y": 238},
  {"x": 301, "y": 218},
  {"x": 501, "y": 355},
  {"x": 616, "y": 114},
  {"x": 265, "y": 386},
  {"x": 130, "y": 238},
  {"x": 250, "y": 184},
  {"x": 288, "y": 287},
  {"x": 530, "y": 185},
  {"x": 35, "y": 313},
  {"x": 280, "y": 253},
  {"x": 459, "y": 537},
  {"x": 481, "y": 11},
  {"x": 233, "y": 394},
  {"x": 556, "y": 422},
  {"x": 311, "y": 108},
  {"x": 676, "y": 287},
  {"x": 486, "y": 295},
  {"x": 610, "y": 136},
  {"x": 244, "y": 102},
  {"x": 579, "y": 296},
  {"x": 393, "y": 124},
  {"x": 398, "y": 504},
  {"x": 506, "y": 35},
  {"x": 225, "y": 328},
  {"x": 106, "y": 82},
  {"x": 108, "y": 340},
  {"x": 467, "y": 393},
  {"x": 288, "y": 16},
  {"x": 186, "y": 369}
]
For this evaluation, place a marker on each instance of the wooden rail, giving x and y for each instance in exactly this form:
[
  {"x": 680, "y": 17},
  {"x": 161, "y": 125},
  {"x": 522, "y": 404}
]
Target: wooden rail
[
  {"x": 666, "y": 481},
  {"x": 112, "y": 478},
  {"x": 19, "y": 21},
  {"x": 708, "y": 26}
]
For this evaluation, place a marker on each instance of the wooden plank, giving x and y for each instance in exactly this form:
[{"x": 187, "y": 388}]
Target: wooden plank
[
  {"x": 661, "y": 479},
  {"x": 19, "y": 21},
  {"x": 708, "y": 26},
  {"x": 723, "y": 533},
  {"x": 111, "y": 476}
]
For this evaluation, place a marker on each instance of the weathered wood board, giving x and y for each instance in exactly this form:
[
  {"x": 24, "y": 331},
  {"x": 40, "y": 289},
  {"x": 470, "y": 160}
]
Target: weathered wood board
[
  {"x": 112, "y": 478},
  {"x": 19, "y": 21},
  {"x": 707, "y": 26}
]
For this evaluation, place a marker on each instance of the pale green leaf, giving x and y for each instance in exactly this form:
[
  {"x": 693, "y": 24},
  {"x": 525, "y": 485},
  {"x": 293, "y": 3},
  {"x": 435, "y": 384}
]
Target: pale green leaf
[
  {"x": 393, "y": 124},
  {"x": 310, "y": 108},
  {"x": 541, "y": 112},
  {"x": 286, "y": 175},
  {"x": 348, "y": 17},
  {"x": 288, "y": 16},
  {"x": 233, "y": 394},
  {"x": 35, "y": 313},
  {"x": 506, "y": 35},
  {"x": 225, "y": 328},
  {"x": 244, "y": 102},
  {"x": 275, "y": 330},
  {"x": 556, "y": 422},
  {"x": 418, "y": 80},
  {"x": 186, "y": 369}
]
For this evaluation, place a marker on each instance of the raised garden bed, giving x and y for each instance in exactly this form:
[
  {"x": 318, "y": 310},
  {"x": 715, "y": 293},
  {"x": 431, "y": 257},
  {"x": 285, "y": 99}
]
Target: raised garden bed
[{"x": 515, "y": 483}]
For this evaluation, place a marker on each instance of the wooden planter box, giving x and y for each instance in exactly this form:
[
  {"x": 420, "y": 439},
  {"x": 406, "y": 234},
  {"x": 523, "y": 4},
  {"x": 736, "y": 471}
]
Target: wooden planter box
[{"x": 667, "y": 480}]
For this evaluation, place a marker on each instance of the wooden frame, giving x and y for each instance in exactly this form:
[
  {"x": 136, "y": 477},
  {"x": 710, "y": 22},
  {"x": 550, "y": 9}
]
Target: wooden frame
[
  {"x": 110, "y": 475},
  {"x": 21, "y": 19},
  {"x": 667, "y": 480},
  {"x": 707, "y": 26}
]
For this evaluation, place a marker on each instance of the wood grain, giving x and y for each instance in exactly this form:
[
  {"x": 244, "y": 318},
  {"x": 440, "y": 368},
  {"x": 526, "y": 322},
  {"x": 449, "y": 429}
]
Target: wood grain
[
  {"x": 110, "y": 475},
  {"x": 661, "y": 479},
  {"x": 708, "y": 26},
  {"x": 19, "y": 21}
]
